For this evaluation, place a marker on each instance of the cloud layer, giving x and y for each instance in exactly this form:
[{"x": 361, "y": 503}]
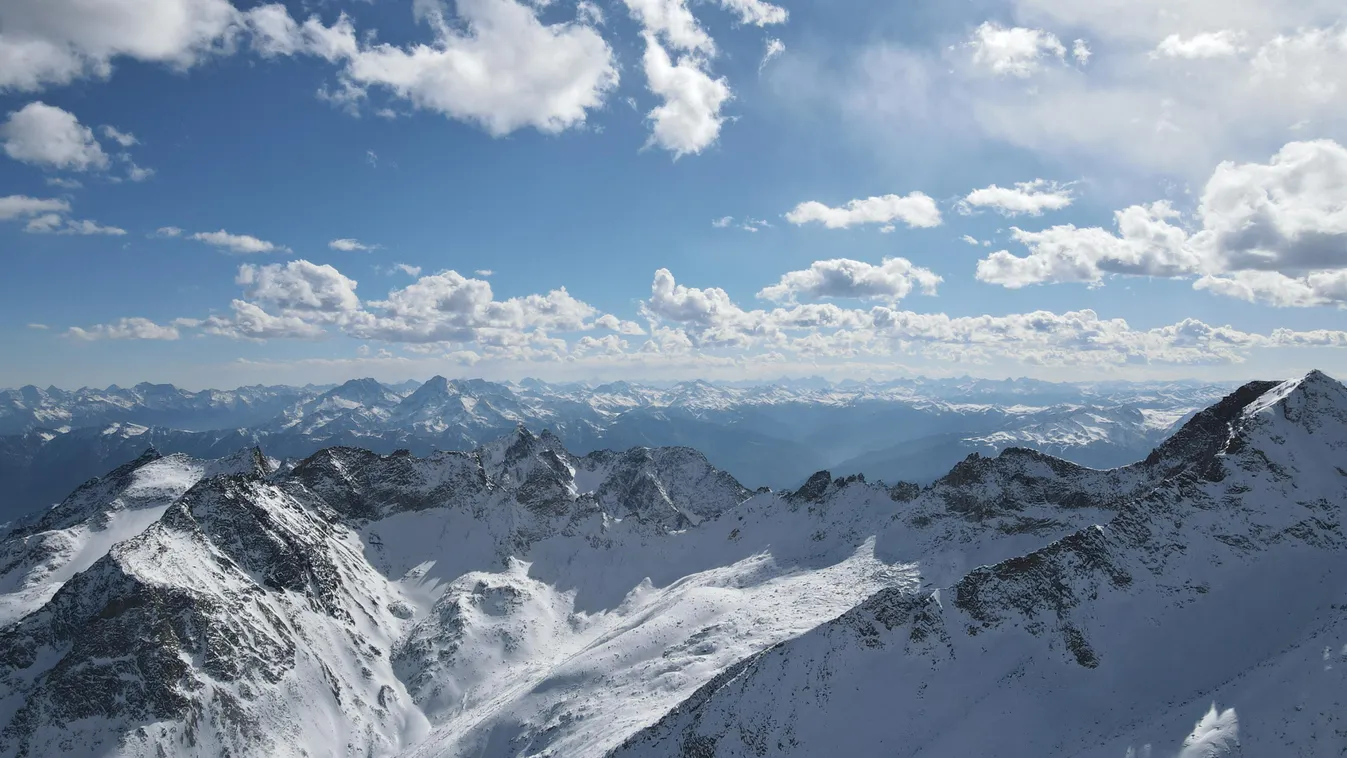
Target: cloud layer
[
  {"x": 1274, "y": 232},
  {"x": 452, "y": 315}
]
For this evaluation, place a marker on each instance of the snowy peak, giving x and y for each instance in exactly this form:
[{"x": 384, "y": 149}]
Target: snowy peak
[
  {"x": 1207, "y": 433},
  {"x": 1312, "y": 401},
  {"x": 35, "y": 560},
  {"x": 239, "y": 615}
]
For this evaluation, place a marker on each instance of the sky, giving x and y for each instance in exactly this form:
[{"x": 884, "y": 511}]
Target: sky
[{"x": 214, "y": 194}]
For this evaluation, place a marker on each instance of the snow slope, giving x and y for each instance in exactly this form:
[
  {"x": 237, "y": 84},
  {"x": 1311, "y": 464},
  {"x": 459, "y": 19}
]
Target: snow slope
[{"x": 36, "y": 560}]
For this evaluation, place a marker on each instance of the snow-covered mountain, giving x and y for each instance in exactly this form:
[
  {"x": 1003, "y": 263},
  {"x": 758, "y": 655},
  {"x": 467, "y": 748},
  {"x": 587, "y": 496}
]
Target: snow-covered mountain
[
  {"x": 772, "y": 434},
  {"x": 522, "y": 600},
  {"x": 1215, "y": 597}
]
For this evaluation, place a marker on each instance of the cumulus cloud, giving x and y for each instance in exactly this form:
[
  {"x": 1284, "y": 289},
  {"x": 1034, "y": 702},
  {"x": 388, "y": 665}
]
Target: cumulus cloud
[
  {"x": 613, "y": 323},
  {"x": 890, "y": 281},
  {"x": 125, "y": 329},
  {"x": 1289, "y": 214},
  {"x": 449, "y": 307},
  {"x": 1273, "y": 232},
  {"x": 1147, "y": 244},
  {"x": 50, "y": 137},
  {"x": 168, "y": 231},
  {"x": 689, "y": 119},
  {"x": 496, "y": 64},
  {"x": 672, "y": 21},
  {"x": 239, "y": 244},
  {"x": 347, "y": 245},
  {"x": 58, "y": 41},
  {"x": 408, "y": 269},
  {"x": 915, "y": 209},
  {"x": 300, "y": 287},
  {"x": 1032, "y": 198},
  {"x": 1015, "y": 51}
]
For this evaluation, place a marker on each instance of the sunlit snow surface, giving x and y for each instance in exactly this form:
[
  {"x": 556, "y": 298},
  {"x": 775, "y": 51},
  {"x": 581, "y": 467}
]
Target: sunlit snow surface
[{"x": 34, "y": 566}]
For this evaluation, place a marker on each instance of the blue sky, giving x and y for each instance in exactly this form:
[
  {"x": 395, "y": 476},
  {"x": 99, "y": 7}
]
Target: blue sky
[{"x": 213, "y": 194}]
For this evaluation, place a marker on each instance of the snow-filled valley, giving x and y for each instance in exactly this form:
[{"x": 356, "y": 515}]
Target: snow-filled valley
[{"x": 522, "y": 600}]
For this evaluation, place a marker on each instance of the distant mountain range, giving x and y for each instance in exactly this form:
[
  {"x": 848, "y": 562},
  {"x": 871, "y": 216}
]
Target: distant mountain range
[
  {"x": 52, "y": 439},
  {"x": 520, "y": 599}
]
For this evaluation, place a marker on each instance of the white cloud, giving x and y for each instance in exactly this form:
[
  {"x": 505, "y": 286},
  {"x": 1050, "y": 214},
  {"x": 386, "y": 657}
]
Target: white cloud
[
  {"x": 970, "y": 239},
  {"x": 21, "y": 206},
  {"x": 138, "y": 174},
  {"x": 772, "y": 49},
  {"x": 125, "y": 329},
  {"x": 449, "y": 307},
  {"x": 672, "y": 21},
  {"x": 756, "y": 12},
  {"x": 1148, "y": 244},
  {"x": 300, "y": 287},
  {"x": 1269, "y": 66},
  {"x": 890, "y": 281},
  {"x": 706, "y": 319},
  {"x": 1015, "y": 51},
  {"x": 451, "y": 315},
  {"x": 1273, "y": 232},
  {"x": 1288, "y": 215},
  {"x": 248, "y": 321},
  {"x": 409, "y": 270},
  {"x": 1080, "y": 50},
  {"x": 1032, "y": 198},
  {"x": 348, "y": 245},
  {"x": 1220, "y": 44},
  {"x": 723, "y": 222},
  {"x": 613, "y": 323},
  {"x": 497, "y": 65},
  {"x": 689, "y": 119},
  {"x": 125, "y": 139},
  {"x": 63, "y": 183},
  {"x": 168, "y": 231},
  {"x": 55, "y": 42},
  {"x": 589, "y": 13},
  {"x": 483, "y": 272},
  {"x": 39, "y": 327},
  {"x": 52, "y": 223},
  {"x": 241, "y": 244},
  {"x": 47, "y": 136},
  {"x": 915, "y": 209}
]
